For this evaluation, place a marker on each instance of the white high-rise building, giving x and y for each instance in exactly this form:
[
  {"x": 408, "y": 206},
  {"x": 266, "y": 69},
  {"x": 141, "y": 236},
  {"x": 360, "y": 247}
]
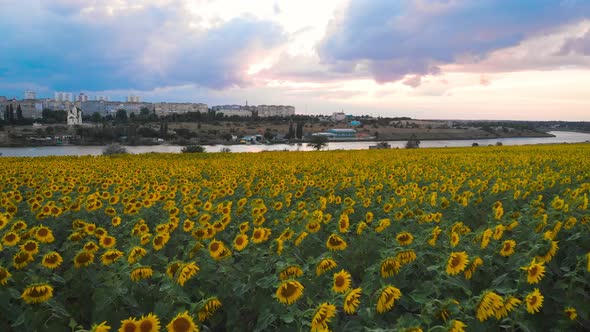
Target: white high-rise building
[
  {"x": 30, "y": 95},
  {"x": 62, "y": 96},
  {"x": 102, "y": 98},
  {"x": 133, "y": 99},
  {"x": 82, "y": 97}
]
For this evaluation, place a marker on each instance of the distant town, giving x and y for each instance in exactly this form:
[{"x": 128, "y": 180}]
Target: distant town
[
  {"x": 83, "y": 120},
  {"x": 32, "y": 107}
]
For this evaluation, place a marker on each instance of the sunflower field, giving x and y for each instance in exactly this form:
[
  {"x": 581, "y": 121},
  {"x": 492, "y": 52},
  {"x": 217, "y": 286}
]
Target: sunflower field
[{"x": 462, "y": 239}]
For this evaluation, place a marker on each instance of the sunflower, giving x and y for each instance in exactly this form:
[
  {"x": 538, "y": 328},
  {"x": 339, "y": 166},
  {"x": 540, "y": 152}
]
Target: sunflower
[
  {"x": 44, "y": 234},
  {"x": 455, "y": 239},
  {"x": 535, "y": 272},
  {"x": 258, "y": 235},
  {"x": 287, "y": 234},
  {"x": 83, "y": 258},
  {"x": 110, "y": 256},
  {"x": 240, "y": 242},
  {"x": 19, "y": 226},
  {"x": 31, "y": 247},
  {"x": 10, "y": 239},
  {"x": 302, "y": 237},
  {"x": 145, "y": 239},
  {"x": 289, "y": 291},
  {"x": 89, "y": 228},
  {"x": 21, "y": 259},
  {"x": 489, "y": 303},
  {"x": 341, "y": 282},
  {"x": 149, "y": 323},
  {"x": 129, "y": 325},
  {"x": 107, "y": 241},
  {"x": 508, "y": 306},
  {"x": 324, "y": 266},
  {"x": 498, "y": 232},
  {"x": 571, "y": 313},
  {"x": 457, "y": 262},
  {"x": 404, "y": 238},
  {"x": 551, "y": 253},
  {"x": 100, "y": 232},
  {"x": 534, "y": 301},
  {"x": 183, "y": 322},
  {"x": 406, "y": 257},
  {"x": 4, "y": 276},
  {"x": 434, "y": 236},
  {"x": 3, "y": 221},
  {"x": 352, "y": 301},
  {"x": 313, "y": 226},
  {"x": 477, "y": 262},
  {"x": 160, "y": 240},
  {"x": 335, "y": 242},
  {"x": 216, "y": 249},
  {"x": 52, "y": 260},
  {"x": 387, "y": 298},
  {"x": 390, "y": 267},
  {"x": 457, "y": 326},
  {"x": 244, "y": 227},
  {"x": 186, "y": 272},
  {"x": 116, "y": 221},
  {"x": 110, "y": 211},
  {"x": 188, "y": 225},
  {"x": 508, "y": 248},
  {"x": 361, "y": 227},
  {"x": 37, "y": 293},
  {"x": 209, "y": 308},
  {"x": 343, "y": 223},
  {"x": 142, "y": 272},
  {"x": 322, "y": 316},
  {"x": 102, "y": 327},
  {"x": 91, "y": 247},
  {"x": 485, "y": 238},
  {"x": 290, "y": 272},
  {"x": 135, "y": 254},
  {"x": 383, "y": 224}
]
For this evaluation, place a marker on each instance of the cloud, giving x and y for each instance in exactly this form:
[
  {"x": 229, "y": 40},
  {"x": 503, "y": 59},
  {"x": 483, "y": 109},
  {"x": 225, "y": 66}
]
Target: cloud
[
  {"x": 484, "y": 80},
  {"x": 397, "y": 38},
  {"x": 109, "y": 45},
  {"x": 577, "y": 45},
  {"x": 413, "y": 81}
]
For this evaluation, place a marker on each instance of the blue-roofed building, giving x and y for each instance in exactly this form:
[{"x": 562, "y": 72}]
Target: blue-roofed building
[{"x": 343, "y": 133}]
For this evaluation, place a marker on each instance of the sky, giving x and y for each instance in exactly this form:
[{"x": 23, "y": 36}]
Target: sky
[{"x": 426, "y": 59}]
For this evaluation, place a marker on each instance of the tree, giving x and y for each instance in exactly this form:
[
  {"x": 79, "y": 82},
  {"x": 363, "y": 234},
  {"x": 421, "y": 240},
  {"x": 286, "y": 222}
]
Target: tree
[
  {"x": 19, "y": 114},
  {"x": 11, "y": 114},
  {"x": 299, "y": 131},
  {"x": 413, "y": 142},
  {"x": 291, "y": 133},
  {"x": 113, "y": 149},
  {"x": 227, "y": 136},
  {"x": 193, "y": 149},
  {"x": 268, "y": 135},
  {"x": 96, "y": 117},
  {"x": 144, "y": 112},
  {"x": 318, "y": 142},
  {"x": 121, "y": 116}
]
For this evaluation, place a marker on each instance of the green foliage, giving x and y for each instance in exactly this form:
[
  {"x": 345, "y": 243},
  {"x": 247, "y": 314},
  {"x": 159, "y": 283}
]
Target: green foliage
[
  {"x": 193, "y": 149},
  {"x": 318, "y": 142},
  {"x": 114, "y": 149}
]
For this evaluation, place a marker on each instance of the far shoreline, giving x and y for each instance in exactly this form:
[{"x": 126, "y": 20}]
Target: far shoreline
[{"x": 291, "y": 142}]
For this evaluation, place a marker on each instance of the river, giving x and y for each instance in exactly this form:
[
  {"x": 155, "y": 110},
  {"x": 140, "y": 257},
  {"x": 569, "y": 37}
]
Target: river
[{"x": 75, "y": 150}]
